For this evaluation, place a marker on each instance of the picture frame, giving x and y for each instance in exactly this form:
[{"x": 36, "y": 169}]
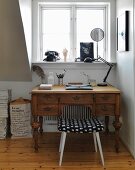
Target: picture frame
[
  {"x": 86, "y": 50},
  {"x": 123, "y": 32}
]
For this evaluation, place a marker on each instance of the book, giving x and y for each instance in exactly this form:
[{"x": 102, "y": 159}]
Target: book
[
  {"x": 78, "y": 87},
  {"x": 45, "y": 86}
]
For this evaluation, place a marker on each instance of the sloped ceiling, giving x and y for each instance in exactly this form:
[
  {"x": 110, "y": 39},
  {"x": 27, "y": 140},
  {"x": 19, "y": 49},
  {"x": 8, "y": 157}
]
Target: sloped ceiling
[{"x": 14, "y": 62}]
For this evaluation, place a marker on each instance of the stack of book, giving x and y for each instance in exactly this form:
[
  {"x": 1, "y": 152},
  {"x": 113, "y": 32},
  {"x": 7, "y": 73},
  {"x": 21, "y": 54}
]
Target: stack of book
[
  {"x": 5, "y": 97},
  {"x": 20, "y": 115}
]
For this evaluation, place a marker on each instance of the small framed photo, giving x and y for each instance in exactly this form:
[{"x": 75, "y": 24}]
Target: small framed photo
[
  {"x": 123, "y": 32},
  {"x": 86, "y": 50}
]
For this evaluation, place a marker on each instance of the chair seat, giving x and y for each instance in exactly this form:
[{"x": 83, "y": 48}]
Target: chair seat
[{"x": 80, "y": 125}]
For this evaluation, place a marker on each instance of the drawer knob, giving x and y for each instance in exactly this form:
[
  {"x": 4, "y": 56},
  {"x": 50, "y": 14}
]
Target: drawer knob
[
  {"x": 76, "y": 98},
  {"x": 47, "y": 109},
  {"x": 104, "y": 108},
  {"x": 105, "y": 98}
]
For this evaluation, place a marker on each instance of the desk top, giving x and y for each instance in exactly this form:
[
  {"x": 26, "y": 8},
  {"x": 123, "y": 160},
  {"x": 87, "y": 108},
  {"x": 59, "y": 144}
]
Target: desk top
[{"x": 61, "y": 89}]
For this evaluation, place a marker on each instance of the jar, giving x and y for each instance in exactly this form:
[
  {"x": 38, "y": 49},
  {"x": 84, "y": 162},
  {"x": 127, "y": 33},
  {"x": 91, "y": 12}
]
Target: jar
[{"x": 51, "y": 78}]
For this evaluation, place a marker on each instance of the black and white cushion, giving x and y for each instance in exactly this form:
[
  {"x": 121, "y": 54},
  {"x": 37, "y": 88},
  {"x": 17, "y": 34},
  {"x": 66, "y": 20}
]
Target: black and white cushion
[{"x": 80, "y": 125}]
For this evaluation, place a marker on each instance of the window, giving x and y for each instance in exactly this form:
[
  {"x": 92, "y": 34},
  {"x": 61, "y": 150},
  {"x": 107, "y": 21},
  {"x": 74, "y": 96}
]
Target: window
[
  {"x": 55, "y": 34},
  {"x": 87, "y": 20},
  {"x": 63, "y": 26}
]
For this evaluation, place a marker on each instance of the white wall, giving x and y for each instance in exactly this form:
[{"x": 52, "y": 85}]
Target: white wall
[
  {"x": 74, "y": 74},
  {"x": 125, "y": 80}
]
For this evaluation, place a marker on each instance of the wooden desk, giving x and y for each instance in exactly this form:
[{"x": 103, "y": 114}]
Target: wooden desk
[{"x": 104, "y": 101}]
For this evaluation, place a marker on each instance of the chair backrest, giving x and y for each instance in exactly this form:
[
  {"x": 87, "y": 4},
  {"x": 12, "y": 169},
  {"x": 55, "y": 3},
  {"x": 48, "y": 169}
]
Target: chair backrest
[{"x": 75, "y": 111}]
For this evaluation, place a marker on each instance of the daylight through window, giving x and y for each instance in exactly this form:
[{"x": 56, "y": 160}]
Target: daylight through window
[{"x": 66, "y": 26}]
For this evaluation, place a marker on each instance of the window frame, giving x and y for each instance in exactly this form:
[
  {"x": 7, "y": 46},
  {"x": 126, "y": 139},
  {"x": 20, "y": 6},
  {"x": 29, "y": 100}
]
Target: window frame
[{"x": 37, "y": 41}]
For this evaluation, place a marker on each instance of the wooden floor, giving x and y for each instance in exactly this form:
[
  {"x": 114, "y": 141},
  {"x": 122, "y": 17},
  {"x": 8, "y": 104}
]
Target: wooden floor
[{"x": 18, "y": 154}]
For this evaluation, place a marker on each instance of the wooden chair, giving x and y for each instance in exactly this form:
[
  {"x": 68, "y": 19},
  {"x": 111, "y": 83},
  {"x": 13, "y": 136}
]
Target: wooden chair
[{"x": 78, "y": 119}]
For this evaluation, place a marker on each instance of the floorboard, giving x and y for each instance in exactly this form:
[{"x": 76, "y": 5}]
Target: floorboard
[{"x": 18, "y": 154}]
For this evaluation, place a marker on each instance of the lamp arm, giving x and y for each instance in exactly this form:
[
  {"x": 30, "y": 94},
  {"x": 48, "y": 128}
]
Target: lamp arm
[
  {"x": 104, "y": 80},
  {"x": 109, "y": 64}
]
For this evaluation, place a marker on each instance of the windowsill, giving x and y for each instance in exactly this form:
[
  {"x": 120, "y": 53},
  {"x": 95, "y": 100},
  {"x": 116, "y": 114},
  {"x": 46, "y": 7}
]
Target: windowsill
[
  {"x": 69, "y": 62},
  {"x": 73, "y": 65}
]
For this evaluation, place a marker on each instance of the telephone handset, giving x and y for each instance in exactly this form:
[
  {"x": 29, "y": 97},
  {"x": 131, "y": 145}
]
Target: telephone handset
[
  {"x": 51, "y": 53},
  {"x": 51, "y": 56}
]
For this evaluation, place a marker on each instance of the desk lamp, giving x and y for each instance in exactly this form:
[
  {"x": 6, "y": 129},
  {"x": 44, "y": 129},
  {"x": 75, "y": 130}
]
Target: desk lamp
[
  {"x": 97, "y": 34},
  {"x": 105, "y": 78}
]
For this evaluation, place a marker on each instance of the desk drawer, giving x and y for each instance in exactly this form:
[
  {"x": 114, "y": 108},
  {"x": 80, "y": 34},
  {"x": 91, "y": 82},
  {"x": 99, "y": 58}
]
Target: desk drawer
[
  {"x": 76, "y": 99},
  {"x": 103, "y": 109},
  {"x": 48, "y": 109},
  {"x": 105, "y": 98},
  {"x": 47, "y": 98}
]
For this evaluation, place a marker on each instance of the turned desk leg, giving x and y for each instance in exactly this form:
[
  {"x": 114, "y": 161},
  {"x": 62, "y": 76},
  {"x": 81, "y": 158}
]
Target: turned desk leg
[
  {"x": 41, "y": 124},
  {"x": 117, "y": 126},
  {"x": 107, "y": 124},
  {"x": 35, "y": 127}
]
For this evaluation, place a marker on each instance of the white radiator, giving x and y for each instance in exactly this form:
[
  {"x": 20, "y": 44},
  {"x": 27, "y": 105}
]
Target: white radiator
[
  {"x": 76, "y": 111},
  {"x": 50, "y": 124}
]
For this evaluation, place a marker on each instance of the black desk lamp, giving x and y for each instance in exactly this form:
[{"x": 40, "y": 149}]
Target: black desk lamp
[
  {"x": 97, "y": 34},
  {"x": 105, "y": 78}
]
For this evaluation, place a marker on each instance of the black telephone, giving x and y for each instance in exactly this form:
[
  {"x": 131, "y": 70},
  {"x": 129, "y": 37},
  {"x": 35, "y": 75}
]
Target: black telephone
[{"x": 51, "y": 56}]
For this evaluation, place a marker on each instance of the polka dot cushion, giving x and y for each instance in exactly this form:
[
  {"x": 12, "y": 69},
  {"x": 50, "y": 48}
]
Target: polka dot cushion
[{"x": 80, "y": 125}]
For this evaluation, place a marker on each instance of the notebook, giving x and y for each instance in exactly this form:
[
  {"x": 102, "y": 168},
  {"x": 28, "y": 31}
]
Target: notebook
[{"x": 78, "y": 87}]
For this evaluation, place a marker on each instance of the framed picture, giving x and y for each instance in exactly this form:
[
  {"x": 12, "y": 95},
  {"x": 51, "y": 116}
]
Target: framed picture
[
  {"x": 86, "y": 50},
  {"x": 123, "y": 32}
]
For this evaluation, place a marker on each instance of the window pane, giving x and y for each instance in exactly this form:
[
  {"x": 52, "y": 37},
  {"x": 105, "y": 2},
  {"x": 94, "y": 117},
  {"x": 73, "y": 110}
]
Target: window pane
[
  {"x": 56, "y": 30},
  {"x": 87, "y": 20}
]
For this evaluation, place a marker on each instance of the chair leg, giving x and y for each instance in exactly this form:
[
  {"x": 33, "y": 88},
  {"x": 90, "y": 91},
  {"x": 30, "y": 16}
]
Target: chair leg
[
  {"x": 62, "y": 146},
  {"x": 61, "y": 138},
  {"x": 95, "y": 141},
  {"x": 100, "y": 147}
]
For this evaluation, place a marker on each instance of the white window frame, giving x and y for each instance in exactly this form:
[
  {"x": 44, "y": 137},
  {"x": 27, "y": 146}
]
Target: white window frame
[{"x": 37, "y": 40}]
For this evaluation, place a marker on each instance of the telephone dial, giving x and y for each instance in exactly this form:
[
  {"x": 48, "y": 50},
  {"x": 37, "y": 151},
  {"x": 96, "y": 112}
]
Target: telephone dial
[{"x": 51, "y": 56}]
